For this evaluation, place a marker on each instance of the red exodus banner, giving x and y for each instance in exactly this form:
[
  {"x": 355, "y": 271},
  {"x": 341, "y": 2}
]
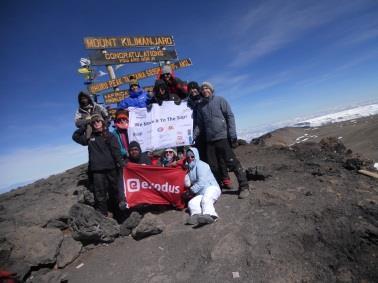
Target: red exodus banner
[{"x": 146, "y": 184}]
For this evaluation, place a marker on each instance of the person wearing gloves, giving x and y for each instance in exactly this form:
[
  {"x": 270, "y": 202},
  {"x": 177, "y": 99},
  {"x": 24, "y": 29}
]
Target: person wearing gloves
[
  {"x": 174, "y": 84},
  {"x": 161, "y": 93},
  {"x": 104, "y": 163},
  {"x": 87, "y": 108},
  {"x": 204, "y": 187},
  {"x": 137, "y": 96},
  {"x": 216, "y": 123}
]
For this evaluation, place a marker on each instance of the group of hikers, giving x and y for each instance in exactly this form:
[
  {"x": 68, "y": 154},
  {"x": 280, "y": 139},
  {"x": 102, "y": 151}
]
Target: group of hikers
[{"x": 206, "y": 162}]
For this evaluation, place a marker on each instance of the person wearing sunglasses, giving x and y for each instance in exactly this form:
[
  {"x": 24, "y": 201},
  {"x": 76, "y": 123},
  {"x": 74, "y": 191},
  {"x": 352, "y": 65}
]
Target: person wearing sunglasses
[
  {"x": 121, "y": 124},
  {"x": 203, "y": 185},
  {"x": 104, "y": 162},
  {"x": 174, "y": 84},
  {"x": 169, "y": 158}
]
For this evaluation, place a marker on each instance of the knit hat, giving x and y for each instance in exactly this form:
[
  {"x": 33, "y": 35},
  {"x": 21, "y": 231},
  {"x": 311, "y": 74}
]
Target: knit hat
[
  {"x": 166, "y": 69},
  {"x": 193, "y": 85},
  {"x": 209, "y": 85},
  {"x": 121, "y": 113},
  {"x": 97, "y": 117},
  {"x": 134, "y": 144}
]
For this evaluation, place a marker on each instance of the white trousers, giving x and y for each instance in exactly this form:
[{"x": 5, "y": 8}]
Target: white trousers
[{"x": 204, "y": 203}]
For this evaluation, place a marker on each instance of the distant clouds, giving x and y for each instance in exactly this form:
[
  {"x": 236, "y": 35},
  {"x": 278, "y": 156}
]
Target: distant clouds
[
  {"x": 39, "y": 162},
  {"x": 272, "y": 25}
]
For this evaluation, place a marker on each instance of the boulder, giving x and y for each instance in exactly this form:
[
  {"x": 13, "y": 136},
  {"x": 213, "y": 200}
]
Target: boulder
[
  {"x": 69, "y": 251},
  {"x": 90, "y": 226},
  {"x": 130, "y": 223},
  {"x": 150, "y": 225},
  {"x": 34, "y": 245}
]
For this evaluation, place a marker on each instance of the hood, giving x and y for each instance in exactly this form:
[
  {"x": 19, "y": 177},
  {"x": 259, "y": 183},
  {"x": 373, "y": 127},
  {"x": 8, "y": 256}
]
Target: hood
[
  {"x": 135, "y": 94},
  {"x": 195, "y": 151},
  {"x": 86, "y": 94}
]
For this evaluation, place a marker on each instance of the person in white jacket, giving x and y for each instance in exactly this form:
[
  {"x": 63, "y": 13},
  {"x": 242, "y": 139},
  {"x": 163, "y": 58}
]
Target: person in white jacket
[{"x": 203, "y": 185}]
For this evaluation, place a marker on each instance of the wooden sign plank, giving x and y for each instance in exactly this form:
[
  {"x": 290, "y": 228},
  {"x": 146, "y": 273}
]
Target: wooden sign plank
[
  {"x": 118, "y": 96},
  {"x": 127, "y": 41},
  {"x": 97, "y": 87},
  {"x": 99, "y": 58}
]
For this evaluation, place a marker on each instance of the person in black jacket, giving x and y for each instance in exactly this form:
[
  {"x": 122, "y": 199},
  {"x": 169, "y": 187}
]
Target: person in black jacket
[
  {"x": 136, "y": 155},
  {"x": 105, "y": 162}
]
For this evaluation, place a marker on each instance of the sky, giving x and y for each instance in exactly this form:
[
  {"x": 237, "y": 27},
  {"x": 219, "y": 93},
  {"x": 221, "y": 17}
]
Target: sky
[{"x": 273, "y": 61}]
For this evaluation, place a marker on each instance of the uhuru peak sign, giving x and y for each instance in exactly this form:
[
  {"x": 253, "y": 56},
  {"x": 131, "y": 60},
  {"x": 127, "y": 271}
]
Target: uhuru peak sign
[
  {"x": 124, "y": 57},
  {"x": 95, "y": 88},
  {"x": 117, "y": 96},
  {"x": 127, "y": 41}
]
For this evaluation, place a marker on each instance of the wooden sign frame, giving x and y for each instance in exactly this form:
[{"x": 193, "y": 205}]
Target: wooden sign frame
[
  {"x": 128, "y": 41},
  {"x": 97, "y": 87}
]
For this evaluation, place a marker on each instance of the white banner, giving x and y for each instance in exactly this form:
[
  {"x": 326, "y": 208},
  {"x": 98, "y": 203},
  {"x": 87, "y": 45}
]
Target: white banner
[{"x": 168, "y": 125}]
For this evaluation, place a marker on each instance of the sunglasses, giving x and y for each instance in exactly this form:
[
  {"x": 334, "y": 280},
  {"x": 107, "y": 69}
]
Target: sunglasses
[
  {"x": 121, "y": 120},
  {"x": 166, "y": 74},
  {"x": 97, "y": 121},
  {"x": 190, "y": 156},
  {"x": 169, "y": 151}
]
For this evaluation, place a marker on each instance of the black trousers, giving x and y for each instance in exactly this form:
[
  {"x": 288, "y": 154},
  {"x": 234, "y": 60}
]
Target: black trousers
[
  {"x": 105, "y": 190},
  {"x": 221, "y": 157}
]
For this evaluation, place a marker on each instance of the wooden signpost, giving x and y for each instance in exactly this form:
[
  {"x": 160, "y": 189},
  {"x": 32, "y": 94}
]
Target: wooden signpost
[
  {"x": 127, "y": 41},
  {"x": 99, "y": 58},
  {"x": 118, "y": 96},
  {"x": 97, "y": 87}
]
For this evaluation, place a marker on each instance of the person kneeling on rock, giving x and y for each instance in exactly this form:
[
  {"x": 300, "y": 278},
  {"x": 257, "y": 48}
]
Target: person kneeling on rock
[{"x": 205, "y": 188}]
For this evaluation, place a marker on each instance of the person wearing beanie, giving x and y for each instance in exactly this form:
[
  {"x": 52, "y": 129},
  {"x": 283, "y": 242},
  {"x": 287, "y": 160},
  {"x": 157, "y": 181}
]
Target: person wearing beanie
[
  {"x": 105, "y": 162},
  {"x": 161, "y": 93},
  {"x": 169, "y": 158},
  {"x": 216, "y": 124},
  {"x": 87, "y": 108},
  {"x": 175, "y": 85},
  {"x": 194, "y": 100},
  {"x": 137, "y": 96},
  {"x": 136, "y": 155},
  {"x": 121, "y": 124},
  {"x": 203, "y": 185}
]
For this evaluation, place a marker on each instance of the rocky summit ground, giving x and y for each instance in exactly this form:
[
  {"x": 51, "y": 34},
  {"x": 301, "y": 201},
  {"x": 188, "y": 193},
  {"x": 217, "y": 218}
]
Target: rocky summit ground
[{"x": 310, "y": 217}]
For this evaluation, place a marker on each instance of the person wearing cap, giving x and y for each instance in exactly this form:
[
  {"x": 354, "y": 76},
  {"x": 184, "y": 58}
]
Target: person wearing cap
[
  {"x": 87, "y": 108},
  {"x": 121, "y": 124},
  {"x": 203, "y": 185},
  {"x": 137, "y": 96},
  {"x": 104, "y": 162},
  {"x": 136, "y": 155},
  {"x": 216, "y": 123},
  {"x": 175, "y": 85}
]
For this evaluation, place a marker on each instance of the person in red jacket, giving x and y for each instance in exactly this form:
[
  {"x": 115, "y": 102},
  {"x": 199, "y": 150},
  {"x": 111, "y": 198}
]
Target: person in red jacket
[{"x": 175, "y": 85}]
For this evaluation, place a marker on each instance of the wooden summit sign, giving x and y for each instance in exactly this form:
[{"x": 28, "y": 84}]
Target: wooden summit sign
[
  {"x": 112, "y": 58},
  {"x": 95, "y": 88},
  {"x": 118, "y": 96},
  {"x": 127, "y": 41}
]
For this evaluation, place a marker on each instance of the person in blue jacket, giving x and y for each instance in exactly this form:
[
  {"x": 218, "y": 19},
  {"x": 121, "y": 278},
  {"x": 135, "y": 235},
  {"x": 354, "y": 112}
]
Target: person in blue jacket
[
  {"x": 137, "y": 96},
  {"x": 203, "y": 185}
]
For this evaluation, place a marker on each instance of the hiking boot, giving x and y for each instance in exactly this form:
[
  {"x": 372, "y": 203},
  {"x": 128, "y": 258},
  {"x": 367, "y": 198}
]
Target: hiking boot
[
  {"x": 192, "y": 220},
  {"x": 243, "y": 192},
  {"x": 205, "y": 219}
]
